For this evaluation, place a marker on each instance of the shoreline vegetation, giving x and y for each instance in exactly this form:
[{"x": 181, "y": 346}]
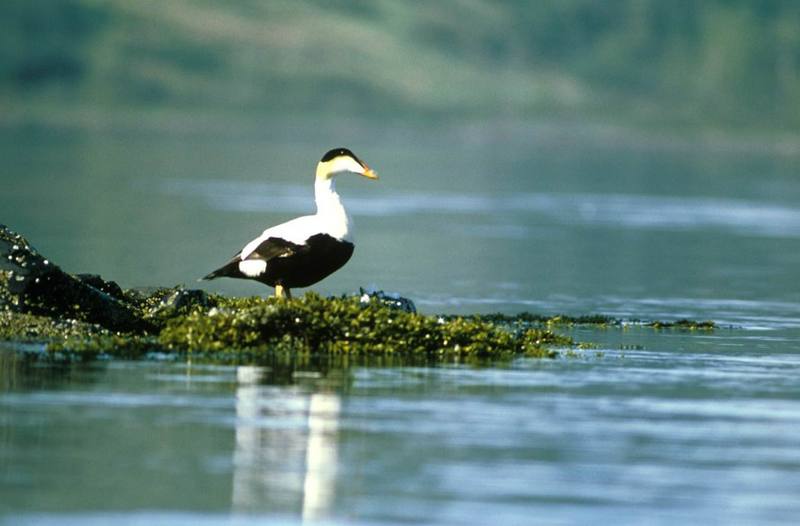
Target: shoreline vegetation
[{"x": 83, "y": 317}]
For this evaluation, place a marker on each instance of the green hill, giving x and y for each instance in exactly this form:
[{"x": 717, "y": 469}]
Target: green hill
[{"x": 681, "y": 62}]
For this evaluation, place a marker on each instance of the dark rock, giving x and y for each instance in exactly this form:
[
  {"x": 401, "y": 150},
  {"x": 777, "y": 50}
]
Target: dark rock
[
  {"x": 180, "y": 300},
  {"x": 30, "y": 283},
  {"x": 391, "y": 300},
  {"x": 186, "y": 298},
  {"x": 109, "y": 287}
]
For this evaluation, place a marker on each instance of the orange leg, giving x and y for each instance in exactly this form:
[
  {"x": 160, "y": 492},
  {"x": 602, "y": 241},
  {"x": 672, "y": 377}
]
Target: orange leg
[{"x": 282, "y": 292}]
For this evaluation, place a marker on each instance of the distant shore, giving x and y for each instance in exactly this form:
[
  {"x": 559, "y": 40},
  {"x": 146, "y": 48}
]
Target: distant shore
[{"x": 555, "y": 131}]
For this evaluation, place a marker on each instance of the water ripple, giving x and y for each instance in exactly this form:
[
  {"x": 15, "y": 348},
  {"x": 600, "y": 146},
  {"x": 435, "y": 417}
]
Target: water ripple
[{"x": 737, "y": 216}]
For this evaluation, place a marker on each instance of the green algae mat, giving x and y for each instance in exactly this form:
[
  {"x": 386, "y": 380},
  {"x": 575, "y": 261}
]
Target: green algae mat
[
  {"x": 229, "y": 329},
  {"x": 84, "y": 316}
]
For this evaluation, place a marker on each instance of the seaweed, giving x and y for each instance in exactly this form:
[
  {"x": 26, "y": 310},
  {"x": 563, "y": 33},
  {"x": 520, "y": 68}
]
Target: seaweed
[
  {"x": 594, "y": 320},
  {"x": 240, "y": 330},
  {"x": 84, "y": 316},
  {"x": 313, "y": 324},
  {"x": 683, "y": 324}
]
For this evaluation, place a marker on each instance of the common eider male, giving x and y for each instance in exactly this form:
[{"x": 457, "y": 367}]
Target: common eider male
[{"x": 307, "y": 249}]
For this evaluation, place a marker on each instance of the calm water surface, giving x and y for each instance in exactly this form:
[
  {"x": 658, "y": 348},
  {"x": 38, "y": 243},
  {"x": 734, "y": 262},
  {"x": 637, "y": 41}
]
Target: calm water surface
[{"x": 651, "y": 427}]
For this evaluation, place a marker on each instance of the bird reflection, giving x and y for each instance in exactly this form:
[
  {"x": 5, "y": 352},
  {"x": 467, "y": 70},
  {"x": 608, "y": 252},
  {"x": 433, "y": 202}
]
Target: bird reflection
[
  {"x": 321, "y": 455},
  {"x": 286, "y": 452}
]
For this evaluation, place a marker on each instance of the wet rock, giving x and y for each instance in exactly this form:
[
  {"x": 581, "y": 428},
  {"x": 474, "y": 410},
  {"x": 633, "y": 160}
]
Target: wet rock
[
  {"x": 163, "y": 304},
  {"x": 86, "y": 316},
  {"x": 30, "y": 283},
  {"x": 387, "y": 299},
  {"x": 183, "y": 299},
  {"x": 109, "y": 287}
]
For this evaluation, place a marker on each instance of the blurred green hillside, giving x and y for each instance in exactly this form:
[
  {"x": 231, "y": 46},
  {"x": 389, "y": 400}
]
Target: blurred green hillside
[{"x": 729, "y": 63}]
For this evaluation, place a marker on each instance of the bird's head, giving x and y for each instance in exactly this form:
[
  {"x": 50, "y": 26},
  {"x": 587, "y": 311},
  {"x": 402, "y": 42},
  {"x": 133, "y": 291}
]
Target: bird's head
[{"x": 340, "y": 160}]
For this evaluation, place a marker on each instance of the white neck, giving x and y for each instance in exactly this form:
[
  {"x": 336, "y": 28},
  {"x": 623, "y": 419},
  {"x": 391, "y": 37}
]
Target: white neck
[{"x": 330, "y": 209}]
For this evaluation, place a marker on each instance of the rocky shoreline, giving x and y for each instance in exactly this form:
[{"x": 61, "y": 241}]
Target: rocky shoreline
[{"x": 86, "y": 316}]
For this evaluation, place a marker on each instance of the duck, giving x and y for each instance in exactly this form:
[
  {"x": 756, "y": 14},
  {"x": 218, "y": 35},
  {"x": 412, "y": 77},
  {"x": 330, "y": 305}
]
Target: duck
[{"x": 307, "y": 249}]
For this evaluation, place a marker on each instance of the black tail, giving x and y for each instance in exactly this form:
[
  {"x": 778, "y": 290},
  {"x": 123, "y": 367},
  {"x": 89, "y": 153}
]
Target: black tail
[
  {"x": 213, "y": 275},
  {"x": 229, "y": 270}
]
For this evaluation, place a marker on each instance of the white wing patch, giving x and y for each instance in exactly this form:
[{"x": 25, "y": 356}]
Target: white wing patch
[{"x": 252, "y": 268}]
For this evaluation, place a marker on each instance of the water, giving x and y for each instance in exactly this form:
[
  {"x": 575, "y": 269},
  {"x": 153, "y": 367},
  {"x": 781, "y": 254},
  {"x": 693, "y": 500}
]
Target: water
[
  {"x": 694, "y": 428},
  {"x": 650, "y": 427},
  {"x": 463, "y": 218}
]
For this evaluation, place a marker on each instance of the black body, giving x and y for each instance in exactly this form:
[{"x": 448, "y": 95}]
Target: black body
[{"x": 291, "y": 265}]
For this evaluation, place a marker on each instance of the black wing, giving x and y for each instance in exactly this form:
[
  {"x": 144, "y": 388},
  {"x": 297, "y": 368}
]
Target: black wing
[
  {"x": 275, "y": 247},
  {"x": 270, "y": 248}
]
